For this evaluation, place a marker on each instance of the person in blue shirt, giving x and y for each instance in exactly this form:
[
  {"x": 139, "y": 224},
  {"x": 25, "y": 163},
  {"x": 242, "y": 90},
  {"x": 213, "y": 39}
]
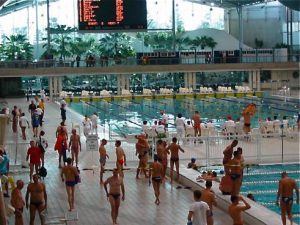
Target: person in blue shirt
[{"x": 4, "y": 168}]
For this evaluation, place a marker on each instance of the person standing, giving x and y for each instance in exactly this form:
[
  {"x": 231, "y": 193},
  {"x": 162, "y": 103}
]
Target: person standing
[
  {"x": 180, "y": 126},
  {"x": 235, "y": 172},
  {"x": 235, "y": 209},
  {"x": 198, "y": 210},
  {"x": 164, "y": 118},
  {"x": 31, "y": 108},
  {"x": 86, "y": 123},
  {"x": 43, "y": 145},
  {"x": 4, "y": 168},
  {"x": 15, "y": 118},
  {"x": 196, "y": 121},
  {"x": 34, "y": 153},
  {"x": 69, "y": 175},
  {"x": 78, "y": 60},
  {"x": 121, "y": 157},
  {"x": 42, "y": 107},
  {"x": 17, "y": 201},
  {"x": 285, "y": 196},
  {"x": 156, "y": 172},
  {"x": 142, "y": 148},
  {"x": 116, "y": 186},
  {"x": 38, "y": 199},
  {"x": 94, "y": 120},
  {"x": 208, "y": 196},
  {"x": 162, "y": 156},
  {"x": 61, "y": 145},
  {"x": 63, "y": 112},
  {"x": 174, "y": 159},
  {"x": 23, "y": 122},
  {"x": 75, "y": 146},
  {"x": 35, "y": 122},
  {"x": 228, "y": 155},
  {"x": 102, "y": 160}
]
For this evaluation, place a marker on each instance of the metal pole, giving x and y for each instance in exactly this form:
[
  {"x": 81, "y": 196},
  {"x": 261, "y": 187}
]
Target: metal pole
[
  {"x": 173, "y": 25},
  {"x": 281, "y": 126},
  {"x": 48, "y": 27},
  {"x": 37, "y": 28}
]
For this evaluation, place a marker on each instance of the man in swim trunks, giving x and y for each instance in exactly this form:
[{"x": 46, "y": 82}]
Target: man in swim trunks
[
  {"x": 116, "y": 185},
  {"x": 235, "y": 172},
  {"x": 228, "y": 155},
  {"x": 38, "y": 199},
  {"x": 196, "y": 121},
  {"x": 68, "y": 175},
  {"x": 102, "y": 160},
  {"x": 34, "y": 154},
  {"x": 142, "y": 147},
  {"x": 247, "y": 122},
  {"x": 75, "y": 146},
  {"x": 208, "y": 196},
  {"x": 162, "y": 156},
  {"x": 155, "y": 172},
  {"x": 235, "y": 209},
  {"x": 18, "y": 202},
  {"x": 285, "y": 196},
  {"x": 174, "y": 159},
  {"x": 121, "y": 158}
]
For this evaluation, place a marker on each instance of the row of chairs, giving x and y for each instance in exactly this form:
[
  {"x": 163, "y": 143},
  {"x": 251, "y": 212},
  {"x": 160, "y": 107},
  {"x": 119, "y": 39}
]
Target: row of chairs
[
  {"x": 147, "y": 91},
  {"x": 242, "y": 89},
  {"x": 224, "y": 89},
  {"x": 105, "y": 93},
  {"x": 125, "y": 92},
  {"x": 186, "y": 90},
  {"x": 165, "y": 91}
]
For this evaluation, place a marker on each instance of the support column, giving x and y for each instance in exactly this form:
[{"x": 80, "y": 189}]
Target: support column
[
  {"x": 59, "y": 84},
  {"x": 119, "y": 84},
  {"x": 250, "y": 79},
  {"x": 194, "y": 82},
  {"x": 50, "y": 83},
  {"x": 186, "y": 79},
  {"x": 258, "y": 80}
]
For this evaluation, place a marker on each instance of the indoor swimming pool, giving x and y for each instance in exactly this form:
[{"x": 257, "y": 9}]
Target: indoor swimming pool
[{"x": 126, "y": 116}]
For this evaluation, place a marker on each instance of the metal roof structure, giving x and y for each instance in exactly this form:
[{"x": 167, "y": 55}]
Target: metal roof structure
[{"x": 227, "y": 4}]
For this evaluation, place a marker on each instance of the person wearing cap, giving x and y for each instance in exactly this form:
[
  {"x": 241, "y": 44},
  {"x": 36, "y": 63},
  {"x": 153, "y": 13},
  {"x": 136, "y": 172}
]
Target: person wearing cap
[
  {"x": 4, "y": 168},
  {"x": 192, "y": 164}
]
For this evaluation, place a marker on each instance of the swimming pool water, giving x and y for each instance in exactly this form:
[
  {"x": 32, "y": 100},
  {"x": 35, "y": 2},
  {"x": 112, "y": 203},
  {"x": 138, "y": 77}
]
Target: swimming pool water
[
  {"x": 262, "y": 182},
  {"x": 126, "y": 116}
]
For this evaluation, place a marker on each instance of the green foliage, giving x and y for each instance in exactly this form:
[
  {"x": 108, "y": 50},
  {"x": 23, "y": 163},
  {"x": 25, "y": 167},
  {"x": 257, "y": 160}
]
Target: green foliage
[
  {"x": 16, "y": 47},
  {"x": 203, "y": 42},
  {"x": 116, "y": 45},
  {"x": 60, "y": 40}
]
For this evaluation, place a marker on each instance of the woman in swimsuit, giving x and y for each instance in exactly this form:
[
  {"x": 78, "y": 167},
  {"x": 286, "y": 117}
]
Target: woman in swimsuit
[
  {"x": 162, "y": 156},
  {"x": 69, "y": 174},
  {"x": 156, "y": 171},
  {"x": 174, "y": 160}
]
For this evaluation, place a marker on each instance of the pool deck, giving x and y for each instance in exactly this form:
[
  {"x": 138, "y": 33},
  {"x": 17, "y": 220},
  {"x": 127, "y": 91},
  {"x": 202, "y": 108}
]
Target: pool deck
[{"x": 91, "y": 204}]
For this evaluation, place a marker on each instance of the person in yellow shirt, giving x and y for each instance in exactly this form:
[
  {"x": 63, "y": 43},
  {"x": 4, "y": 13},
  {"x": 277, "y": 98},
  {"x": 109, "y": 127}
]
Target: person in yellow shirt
[{"x": 41, "y": 105}]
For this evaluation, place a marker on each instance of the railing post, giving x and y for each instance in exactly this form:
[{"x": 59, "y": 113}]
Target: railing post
[
  {"x": 207, "y": 152},
  {"x": 258, "y": 147}
]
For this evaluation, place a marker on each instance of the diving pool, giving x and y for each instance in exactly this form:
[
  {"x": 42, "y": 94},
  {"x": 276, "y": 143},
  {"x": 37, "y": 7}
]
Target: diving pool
[
  {"x": 126, "y": 116},
  {"x": 262, "y": 182}
]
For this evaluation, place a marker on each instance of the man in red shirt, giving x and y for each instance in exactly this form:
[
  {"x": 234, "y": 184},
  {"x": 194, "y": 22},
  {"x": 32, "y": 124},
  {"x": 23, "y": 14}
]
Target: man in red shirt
[{"x": 34, "y": 153}]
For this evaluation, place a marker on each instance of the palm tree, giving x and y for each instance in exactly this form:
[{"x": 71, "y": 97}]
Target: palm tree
[
  {"x": 59, "y": 43},
  {"x": 210, "y": 42},
  {"x": 200, "y": 41},
  {"x": 116, "y": 45},
  {"x": 17, "y": 47}
]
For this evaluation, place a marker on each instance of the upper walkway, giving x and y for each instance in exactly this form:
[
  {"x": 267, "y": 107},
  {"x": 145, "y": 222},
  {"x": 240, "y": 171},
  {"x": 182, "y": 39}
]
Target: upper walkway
[{"x": 54, "y": 68}]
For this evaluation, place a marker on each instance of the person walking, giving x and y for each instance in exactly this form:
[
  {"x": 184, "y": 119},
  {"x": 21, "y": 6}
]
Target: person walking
[
  {"x": 285, "y": 196},
  {"x": 198, "y": 210},
  {"x": 102, "y": 160},
  {"x": 116, "y": 186},
  {"x": 121, "y": 157},
  {"x": 43, "y": 145},
  {"x": 23, "y": 122},
  {"x": 34, "y": 154},
  {"x": 75, "y": 146},
  {"x": 17, "y": 201},
  {"x": 156, "y": 172},
  {"x": 36, "y": 191},
  {"x": 69, "y": 175}
]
